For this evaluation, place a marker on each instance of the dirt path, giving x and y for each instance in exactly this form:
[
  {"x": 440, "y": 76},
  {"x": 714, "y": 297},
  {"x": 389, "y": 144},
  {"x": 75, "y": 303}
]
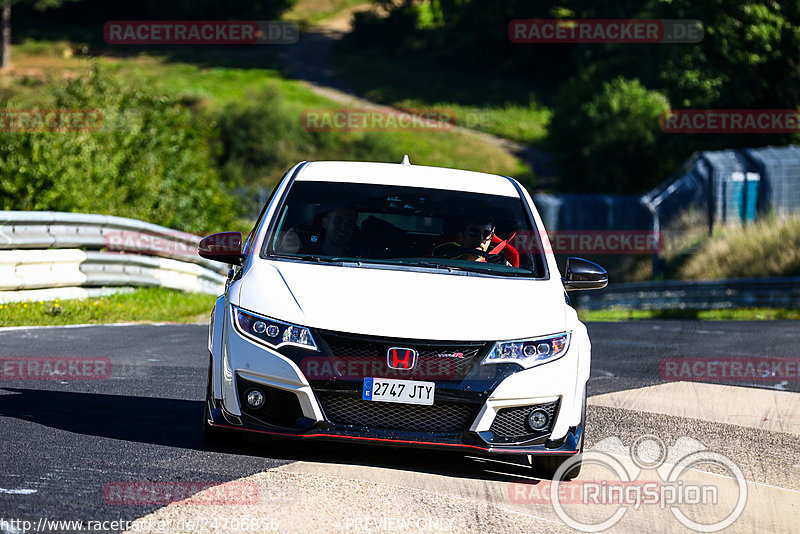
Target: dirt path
[{"x": 309, "y": 62}]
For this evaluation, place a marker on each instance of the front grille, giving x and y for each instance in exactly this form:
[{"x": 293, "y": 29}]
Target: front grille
[
  {"x": 281, "y": 407},
  {"x": 510, "y": 424},
  {"x": 366, "y": 356},
  {"x": 439, "y": 417}
]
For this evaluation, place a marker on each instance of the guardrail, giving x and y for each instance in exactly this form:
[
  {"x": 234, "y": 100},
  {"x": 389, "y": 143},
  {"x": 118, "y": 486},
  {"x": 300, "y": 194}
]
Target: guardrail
[
  {"x": 691, "y": 294},
  {"x": 43, "y": 250}
]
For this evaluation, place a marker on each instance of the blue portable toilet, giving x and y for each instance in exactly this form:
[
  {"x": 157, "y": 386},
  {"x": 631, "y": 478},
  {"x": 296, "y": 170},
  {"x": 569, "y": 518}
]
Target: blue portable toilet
[{"x": 743, "y": 194}]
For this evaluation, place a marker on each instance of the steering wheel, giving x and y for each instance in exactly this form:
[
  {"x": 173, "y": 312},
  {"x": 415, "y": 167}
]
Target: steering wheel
[{"x": 490, "y": 258}]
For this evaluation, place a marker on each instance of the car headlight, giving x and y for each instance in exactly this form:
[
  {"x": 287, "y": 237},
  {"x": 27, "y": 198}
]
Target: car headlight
[
  {"x": 529, "y": 352},
  {"x": 273, "y": 333}
]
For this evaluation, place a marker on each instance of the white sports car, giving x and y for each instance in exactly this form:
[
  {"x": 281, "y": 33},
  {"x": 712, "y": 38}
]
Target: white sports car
[{"x": 403, "y": 305}]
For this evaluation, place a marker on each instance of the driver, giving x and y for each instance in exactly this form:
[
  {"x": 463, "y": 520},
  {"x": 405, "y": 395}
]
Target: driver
[{"x": 474, "y": 233}]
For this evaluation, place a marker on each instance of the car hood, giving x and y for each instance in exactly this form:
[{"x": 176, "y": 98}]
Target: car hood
[{"x": 402, "y": 304}]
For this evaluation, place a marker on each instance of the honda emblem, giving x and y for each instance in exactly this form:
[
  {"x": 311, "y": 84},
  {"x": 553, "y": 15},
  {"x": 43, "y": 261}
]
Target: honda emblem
[{"x": 401, "y": 358}]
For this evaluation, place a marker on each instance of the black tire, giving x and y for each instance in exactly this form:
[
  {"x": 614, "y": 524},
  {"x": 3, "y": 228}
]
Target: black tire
[
  {"x": 210, "y": 433},
  {"x": 546, "y": 466}
]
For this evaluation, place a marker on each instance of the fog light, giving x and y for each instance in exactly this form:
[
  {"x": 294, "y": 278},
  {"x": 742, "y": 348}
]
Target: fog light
[
  {"x": 255, "y": 399},
  {"x": 538, "y": 419}
]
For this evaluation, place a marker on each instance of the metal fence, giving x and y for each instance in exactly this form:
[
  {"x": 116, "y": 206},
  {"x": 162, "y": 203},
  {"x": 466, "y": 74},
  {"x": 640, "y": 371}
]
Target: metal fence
[
  {"x": 780, "y": 167},
  {"x": 730, "y": 186},
  {"x": 47, "y": 255},
  {"x": 592, "y": 212},
  {"x": 694, "y": 295}
]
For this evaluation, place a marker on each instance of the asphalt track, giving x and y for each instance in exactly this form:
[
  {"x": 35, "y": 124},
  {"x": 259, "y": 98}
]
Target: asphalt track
[{"x": 63, "y": 443}]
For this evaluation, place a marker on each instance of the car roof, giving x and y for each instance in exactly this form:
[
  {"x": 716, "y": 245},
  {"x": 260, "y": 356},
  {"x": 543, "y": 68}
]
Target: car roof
[{"x": 407, "y": 175}]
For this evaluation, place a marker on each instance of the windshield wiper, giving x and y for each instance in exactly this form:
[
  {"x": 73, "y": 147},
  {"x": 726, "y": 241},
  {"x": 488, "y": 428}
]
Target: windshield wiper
[
  {"x": 432, "y": 265},
  {"x": 307, "y": 257},
  {"x": 479, "y": 268},
  {"x": 319, "y": 259}
]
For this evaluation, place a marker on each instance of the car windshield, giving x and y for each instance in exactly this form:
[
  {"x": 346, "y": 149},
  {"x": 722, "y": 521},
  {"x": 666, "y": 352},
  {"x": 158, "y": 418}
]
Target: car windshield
[{"x": 406, "y": 227}]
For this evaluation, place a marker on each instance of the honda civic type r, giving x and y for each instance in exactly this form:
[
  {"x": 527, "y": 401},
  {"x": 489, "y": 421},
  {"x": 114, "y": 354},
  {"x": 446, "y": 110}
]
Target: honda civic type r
[{"x": 404, "y": 305}]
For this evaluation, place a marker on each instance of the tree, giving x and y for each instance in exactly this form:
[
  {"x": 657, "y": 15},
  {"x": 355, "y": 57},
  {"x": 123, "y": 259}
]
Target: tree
[
  {"x": 39, "y": 5},
  {"x": 609, "y": 140}
]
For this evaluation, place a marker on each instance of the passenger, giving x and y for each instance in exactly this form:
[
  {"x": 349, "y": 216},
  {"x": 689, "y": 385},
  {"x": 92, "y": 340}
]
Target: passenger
[
  {"x": 339, "y": 229},
  {"x": 340, "y": 226}
]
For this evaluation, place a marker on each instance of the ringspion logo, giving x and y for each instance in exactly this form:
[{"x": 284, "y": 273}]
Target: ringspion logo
[{"x": 648, "y": 474}]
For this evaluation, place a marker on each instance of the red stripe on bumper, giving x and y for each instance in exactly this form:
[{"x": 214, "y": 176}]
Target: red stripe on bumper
[{"x": 363, "y": 438}]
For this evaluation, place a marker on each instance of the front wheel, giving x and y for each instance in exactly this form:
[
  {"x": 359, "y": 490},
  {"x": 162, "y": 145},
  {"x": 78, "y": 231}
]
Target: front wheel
[
  {"x": 210, "y": 434},
  {"x": 546, "y": 466}
]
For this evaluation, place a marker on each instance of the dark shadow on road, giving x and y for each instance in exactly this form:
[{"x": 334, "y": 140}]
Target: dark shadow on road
[{"x": 177, "y": 423}]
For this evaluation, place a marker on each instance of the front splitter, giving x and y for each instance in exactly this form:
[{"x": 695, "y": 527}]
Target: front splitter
[{"x": 567, "y": 446}]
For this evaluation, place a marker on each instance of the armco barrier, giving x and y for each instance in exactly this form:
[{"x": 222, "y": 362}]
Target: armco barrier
[
  {"x": 690, "y": 294},
  {"x": 40, "y": 251},
  {"x": 54, "y": 229}
]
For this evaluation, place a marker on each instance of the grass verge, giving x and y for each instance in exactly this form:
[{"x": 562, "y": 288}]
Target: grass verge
[
  {"x": 165, "y": 305},
  {"x": 499, "y": 107},
  {"x": 144, "y": 304},
  {"x": 769, "y": 247},
  {"x": 226, "y": 79},
  {"x": 736, "y": 314}
]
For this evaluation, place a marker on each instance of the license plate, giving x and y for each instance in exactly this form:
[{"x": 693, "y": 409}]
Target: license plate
[{"x": 404, "y": 391}]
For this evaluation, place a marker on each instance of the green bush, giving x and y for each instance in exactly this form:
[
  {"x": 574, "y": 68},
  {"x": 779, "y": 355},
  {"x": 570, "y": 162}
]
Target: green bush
[
  {"x": 609, "y": 142},
  {"x": 151, "y": 159},
  {"x": 262, "y": 136}
]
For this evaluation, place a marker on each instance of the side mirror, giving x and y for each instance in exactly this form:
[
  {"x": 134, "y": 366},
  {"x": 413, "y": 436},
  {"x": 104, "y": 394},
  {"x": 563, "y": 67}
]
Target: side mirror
[
  {"x": 584, "y": 274},
  {"x": 224, "y": 247}
]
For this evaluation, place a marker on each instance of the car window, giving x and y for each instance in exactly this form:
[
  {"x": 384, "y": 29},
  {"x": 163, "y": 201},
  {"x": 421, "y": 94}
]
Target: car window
[{"x": 406, "y": 227}]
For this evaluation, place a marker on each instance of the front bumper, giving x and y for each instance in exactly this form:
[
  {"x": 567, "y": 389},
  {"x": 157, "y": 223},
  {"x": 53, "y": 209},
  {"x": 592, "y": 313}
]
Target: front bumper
[
  {"x": 304, "y": 409},
  {"x": 220, "y": 418}
]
